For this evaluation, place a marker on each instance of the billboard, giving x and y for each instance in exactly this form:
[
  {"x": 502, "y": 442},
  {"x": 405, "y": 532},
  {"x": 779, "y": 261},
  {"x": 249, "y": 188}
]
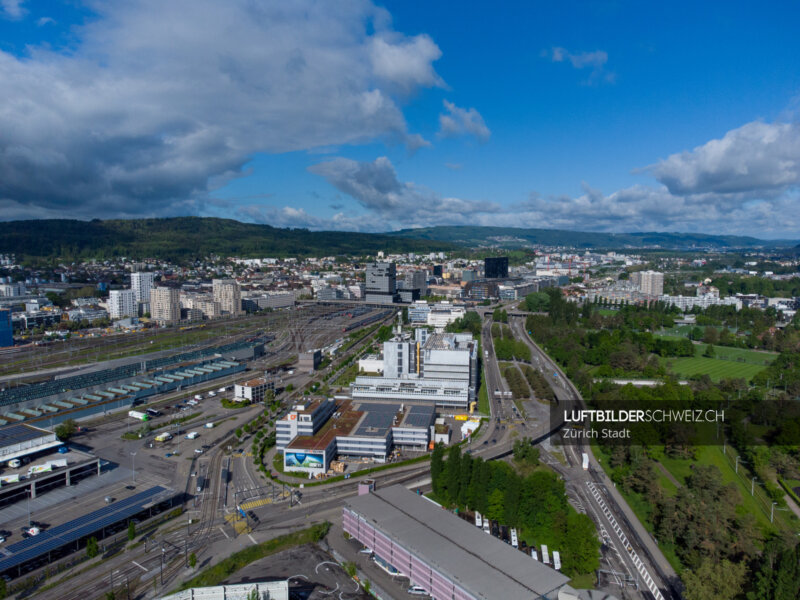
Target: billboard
[{"x": 304, "y": 459}]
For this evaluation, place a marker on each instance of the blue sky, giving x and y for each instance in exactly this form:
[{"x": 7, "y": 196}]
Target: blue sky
[{"x": 614, "y": 116}]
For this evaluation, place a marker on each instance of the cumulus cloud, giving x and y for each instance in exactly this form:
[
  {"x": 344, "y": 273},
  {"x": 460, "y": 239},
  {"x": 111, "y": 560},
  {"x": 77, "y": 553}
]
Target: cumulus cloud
[
  {"x": 148, "y": 114},
  {"x": 13, "y": 9},
  {"x": 406, "y": 63},
  {"x": 462, "y": 121},
  {"x": 391, "y": 203},
  {"x": 756, "y": 158},
  {"x": 595, "y": 61}
]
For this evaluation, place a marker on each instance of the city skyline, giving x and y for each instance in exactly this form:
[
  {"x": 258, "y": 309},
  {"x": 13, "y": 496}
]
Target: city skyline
[{"x": 372, "y": 117}]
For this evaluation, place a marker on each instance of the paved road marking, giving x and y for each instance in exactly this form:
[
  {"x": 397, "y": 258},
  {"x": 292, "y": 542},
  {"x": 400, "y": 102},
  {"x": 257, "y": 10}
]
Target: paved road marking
[
  {"x": 252, "y": 539},
  {"x": 145, "y": 569},
  {"x": 223, "y": 532}
]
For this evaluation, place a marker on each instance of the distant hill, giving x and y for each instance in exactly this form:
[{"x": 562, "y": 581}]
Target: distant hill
[
  {"x": 512, "y": 237},
  {"x": 183, "y": 238}
]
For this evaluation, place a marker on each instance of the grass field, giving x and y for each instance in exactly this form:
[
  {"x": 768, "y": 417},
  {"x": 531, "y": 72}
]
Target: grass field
[{"x": 716, "y": 368}]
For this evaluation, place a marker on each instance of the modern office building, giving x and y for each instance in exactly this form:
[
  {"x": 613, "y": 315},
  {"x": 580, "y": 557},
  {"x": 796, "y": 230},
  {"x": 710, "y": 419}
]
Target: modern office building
[
  {"x": 438, "y": 270},
  {"x": 141, "y": 284},
  {"x": 165, "y": 305},
  {"x": 358, "y": 429},
  {"x": 308, "y": 362},
  {"x": 253, "y": 390},
  {"x": 381, "y": 282},
  {"x": 417, "y": 280},
  {"x": 121, "y": 304},
  {"x": 229, "y": 296},
  {"x": 442, "y": 553},
  {"x": 6, "y": 328},
  {"x": 304, "y": 419},
  {"x": 495, "y": 267}
]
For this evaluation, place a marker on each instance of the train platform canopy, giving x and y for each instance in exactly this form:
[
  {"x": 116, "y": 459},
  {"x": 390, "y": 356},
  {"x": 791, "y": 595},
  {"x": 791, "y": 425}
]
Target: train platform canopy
[
  {"x": 20, "y": 440},
  {"x": 61, "y": 535}
]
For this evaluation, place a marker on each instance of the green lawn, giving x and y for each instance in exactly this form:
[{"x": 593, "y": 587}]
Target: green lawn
[{"x": 716, "y": 368}]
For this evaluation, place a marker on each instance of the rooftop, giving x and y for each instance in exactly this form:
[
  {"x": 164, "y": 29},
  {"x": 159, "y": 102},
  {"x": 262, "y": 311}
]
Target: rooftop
[{"x": 483, "y": 565}]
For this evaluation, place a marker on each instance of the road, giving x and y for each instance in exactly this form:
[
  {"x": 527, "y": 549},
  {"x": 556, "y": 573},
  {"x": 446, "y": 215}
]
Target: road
[{"x": 632, "y": 546}]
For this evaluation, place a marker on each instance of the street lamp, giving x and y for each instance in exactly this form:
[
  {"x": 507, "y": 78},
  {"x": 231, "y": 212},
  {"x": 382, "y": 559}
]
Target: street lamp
[
  {"x": 133, "y": 465},
  {"x": 752, "y": 486}
]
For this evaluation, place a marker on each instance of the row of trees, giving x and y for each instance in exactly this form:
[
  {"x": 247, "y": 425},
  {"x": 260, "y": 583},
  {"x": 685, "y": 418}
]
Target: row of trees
[
  {"x": 541, "y": 388},
  {"x": 516, "y": 382},
  {"x": 536, "y": 505}
]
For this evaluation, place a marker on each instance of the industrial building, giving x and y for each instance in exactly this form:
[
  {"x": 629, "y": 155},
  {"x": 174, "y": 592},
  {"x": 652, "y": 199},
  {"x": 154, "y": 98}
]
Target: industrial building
[
  {"x": 269, "y": 590},
  {"x": 442, "y": 553},
  {"x": 62, "y": 540},
  {"x": 361, "y": 430},
  {"x": 95, "y": 391},
  {"x": 439, "y": 368}
]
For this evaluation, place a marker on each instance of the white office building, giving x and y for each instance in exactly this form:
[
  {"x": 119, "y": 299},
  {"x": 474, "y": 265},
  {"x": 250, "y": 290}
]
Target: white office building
[{"x": 121, "y": 304}]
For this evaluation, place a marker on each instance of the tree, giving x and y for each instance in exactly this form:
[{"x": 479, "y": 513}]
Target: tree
[
  {"x": 495, "y": 509},
  {"x": 709, "y": 352},
  {"x": 111, "y": 595},
  {"x": 92, "y": 549},
  {"x": 453, "y": 474},
  {"x": 714, "y": 581},
  {"x": 3, "y": 589},
  {"x": 437, "y": 470},
  {"x": 66, "y": 430},
  {"x": 193, "y": 560},
  {"x": 290, "y": 388},
  {"x": 238, "y": 432},
  {"x": 131, "y": 531}
]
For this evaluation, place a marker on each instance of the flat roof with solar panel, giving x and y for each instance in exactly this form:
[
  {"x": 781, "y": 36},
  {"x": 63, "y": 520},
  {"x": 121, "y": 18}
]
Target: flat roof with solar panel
[
  {"x": 19, "y": 439},
  {"x": 54, "y": 538}
]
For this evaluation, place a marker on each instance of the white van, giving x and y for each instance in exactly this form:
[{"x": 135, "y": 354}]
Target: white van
[
  {"x": 416, "y": 590},
  {"x": 15, "y": 463}
]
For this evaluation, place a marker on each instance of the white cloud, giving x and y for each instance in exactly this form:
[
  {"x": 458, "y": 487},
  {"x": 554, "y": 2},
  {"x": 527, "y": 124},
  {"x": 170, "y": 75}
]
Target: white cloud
[
  {"x": 460, "y": 121},
  {"x": 406, "y": 63},
  {"x": 595, "y": 60},
  {"x": 42, "y": 21},
  {"x": 149, "y": 112},
  {"x": 13, "y": 9},
  {"x": 392, "y": 203},
  {"x": 757, "y": 158}
]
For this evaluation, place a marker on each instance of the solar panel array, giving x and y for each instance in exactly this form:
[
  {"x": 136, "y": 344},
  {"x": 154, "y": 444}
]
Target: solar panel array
[
  {"x": 378, "y": 419},
  {"x": 14, "y": 434},
  {"x": 419, "y": 416},
  {"x": 56, "y": 537}
]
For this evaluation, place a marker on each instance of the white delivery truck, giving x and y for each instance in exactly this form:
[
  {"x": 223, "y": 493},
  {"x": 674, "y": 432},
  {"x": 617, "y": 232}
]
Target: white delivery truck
[
  {"x": 198, "y": 397},
  {"x": 478, "y": 519},
  {"x": 514, "y": 540},
  {"x": 556, "y": 560},
  {"x": 15, "y": 463},
  {"x": 192, "y": 435},
  {"x": 585, "y": 461},
  {"x": 211, "y": 394},
  {"x": 534, "y": 556},
  {"x": 545, "y": 555},
  {"x": 209, "y": 425}
]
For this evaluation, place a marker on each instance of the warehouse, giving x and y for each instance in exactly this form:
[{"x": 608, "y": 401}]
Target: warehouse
[{"x": 442, "y": 553}]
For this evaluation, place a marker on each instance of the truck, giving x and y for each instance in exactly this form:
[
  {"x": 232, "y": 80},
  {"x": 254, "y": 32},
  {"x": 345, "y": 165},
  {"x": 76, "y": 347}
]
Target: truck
[
  {"x": 545, "y": 555},
  {"x": 198, "y": 397},
  {"x": 487, "y": 527},
  {"x": 152, "y": 412},
  {"x": 209, "y": 425},
  {"x": 585, "y": 461},
  {"x": 15, "y": 463},
  {"x": 514, "y": 540},
  {"x": 58, "y": 463},
  {"x": 163, "y": 437},
  {"x": 135, "y": 414},
  {"x": 556, "y": 560},
  {"x": 534, "y": 556},
  {"x": 192, "y": 435},
  {"x": 478, "y": 519},
  {"x": 212, "y": 393}
]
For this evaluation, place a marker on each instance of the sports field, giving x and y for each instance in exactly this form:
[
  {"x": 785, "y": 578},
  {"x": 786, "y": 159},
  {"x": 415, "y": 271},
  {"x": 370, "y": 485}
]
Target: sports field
[{"x": 716, "y": 368}]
